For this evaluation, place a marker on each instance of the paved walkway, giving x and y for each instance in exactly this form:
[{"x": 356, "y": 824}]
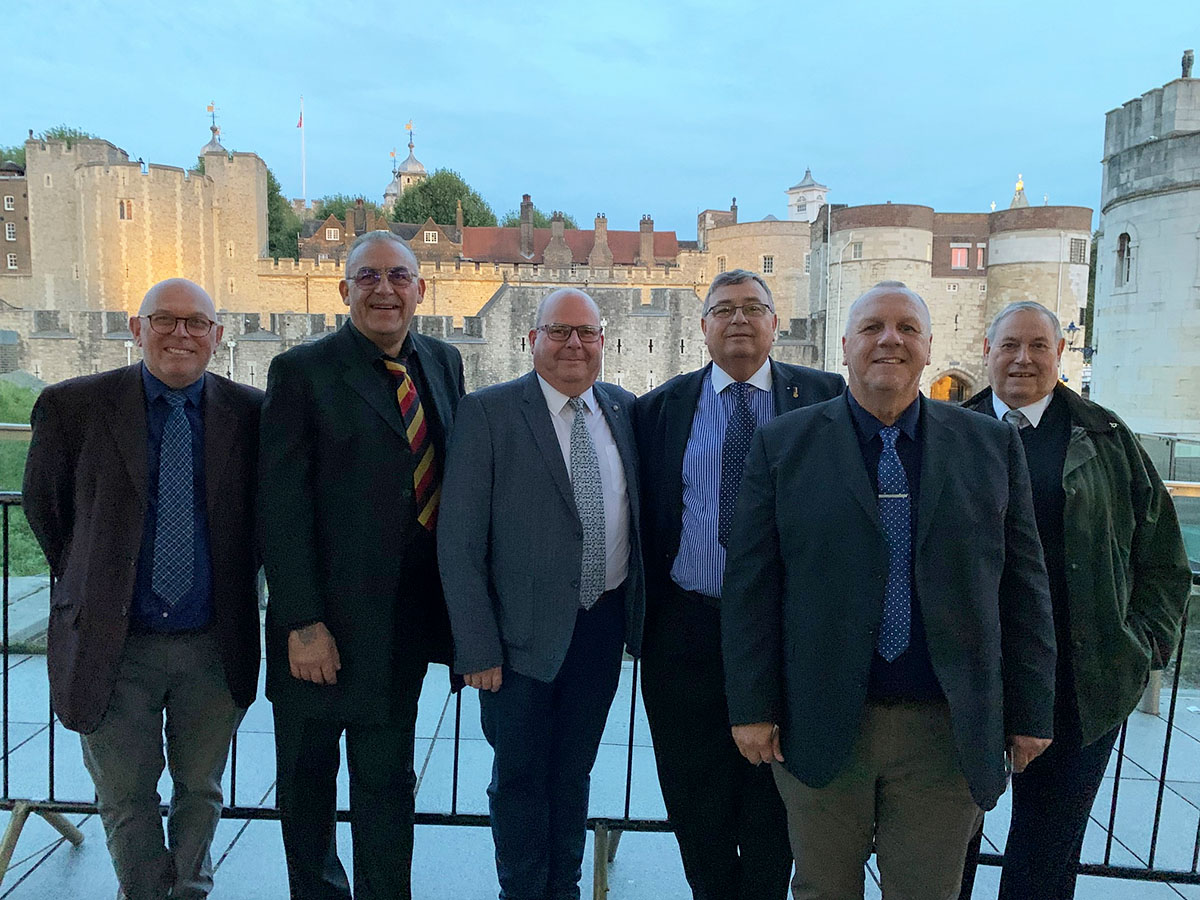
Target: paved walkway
[{"x": 456, "y": 863}]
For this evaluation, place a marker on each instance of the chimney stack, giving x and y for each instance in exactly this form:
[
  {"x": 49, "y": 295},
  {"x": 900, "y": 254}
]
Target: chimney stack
[
  {"x": 601, "y": 256},
  {"x": 558, "y": 253},
  {"x": 526, "y": 227},
  {"x": 645, "y": 255},
  {"x": 458, "y": 217}
]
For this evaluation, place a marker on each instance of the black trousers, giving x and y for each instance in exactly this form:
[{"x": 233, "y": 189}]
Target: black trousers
[
  {"x": 727, "y": 814},
  {"x": 1051, "y": 802},
  {"x": 546, "y": 736},
  {"x": 379, "y": 759}
]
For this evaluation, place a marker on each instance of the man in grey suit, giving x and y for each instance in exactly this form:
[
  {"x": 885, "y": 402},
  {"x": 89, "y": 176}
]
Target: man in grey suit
[
  {"x": 886, "y": 617},
  {"x": 542, "y": 568}
]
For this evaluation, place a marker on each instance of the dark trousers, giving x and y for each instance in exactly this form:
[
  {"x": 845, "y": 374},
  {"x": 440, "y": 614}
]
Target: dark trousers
[
  {"x": 727, "y": 814},
  {"x": 379, "y": 759},
  {"x": 546, "y": 736},
  {"x": 1051, "y": 802}
]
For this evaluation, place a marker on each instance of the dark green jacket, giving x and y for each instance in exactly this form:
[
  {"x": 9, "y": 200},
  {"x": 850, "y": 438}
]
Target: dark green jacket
[{"x": 1127, "y": 571}]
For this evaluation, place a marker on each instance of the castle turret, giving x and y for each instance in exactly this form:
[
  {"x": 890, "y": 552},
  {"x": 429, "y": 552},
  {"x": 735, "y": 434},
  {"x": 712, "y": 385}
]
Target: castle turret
[{"x": 805, "y": 198}]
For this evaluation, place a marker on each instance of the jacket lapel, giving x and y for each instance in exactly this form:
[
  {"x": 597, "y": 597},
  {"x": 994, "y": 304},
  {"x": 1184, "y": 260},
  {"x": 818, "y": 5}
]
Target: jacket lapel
[
  {"x": 622, "y": 432},
  {"x": 537, "y": 415},
  {"x": 220, "y": 431},
  {"x": 438, "y": 402},
  {"x": 938, "y": 439},
  {"x": 366, "y": 382},
  {"x": 785, "y": 395},
  {"x": 126, "y": 423},
  {"x": 846, "y": 457},
  {"x": 679, "y": 422}
]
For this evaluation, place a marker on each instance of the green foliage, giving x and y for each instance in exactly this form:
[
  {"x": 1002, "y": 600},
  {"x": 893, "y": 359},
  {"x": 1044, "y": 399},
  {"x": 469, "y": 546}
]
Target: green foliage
[
  {"x": 198, "y": 168},
  {"x": 337, "y": 204},
  {"x": 512, "y": 219},
  {"x": 15, "y": 405},
  {"x": 16, "y": 153},
  {"x": 283, "y": 225},
  {"x": 67, "y": 133},
  {"x": 437, "y": 197}
]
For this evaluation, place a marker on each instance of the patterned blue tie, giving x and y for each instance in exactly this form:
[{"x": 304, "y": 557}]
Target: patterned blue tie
[
  {"x": 738, "y": 434},
  {"x": 895, "y": 514},
  {"x": 173, "y": 546},
  {"x": 589, "y": 500}
]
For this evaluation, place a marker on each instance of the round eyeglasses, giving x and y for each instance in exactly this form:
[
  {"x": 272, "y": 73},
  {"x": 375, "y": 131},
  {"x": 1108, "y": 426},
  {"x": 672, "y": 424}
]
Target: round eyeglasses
[{"x": 164, "y": 323}]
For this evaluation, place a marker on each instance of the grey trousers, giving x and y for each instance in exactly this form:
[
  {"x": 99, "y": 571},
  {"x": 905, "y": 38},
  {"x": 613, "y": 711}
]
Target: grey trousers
[
  {"x": 901, "y": 792},
  {"x": 181, "y": 676}
]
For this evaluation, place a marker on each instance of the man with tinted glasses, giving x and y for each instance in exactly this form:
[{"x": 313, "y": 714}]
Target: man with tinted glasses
[
  {"x": 693, "y": 433},
  {"x": 353, "y": 446},
  {"x": 542, "y": 564},
  {"x": 139, "y": 487}
]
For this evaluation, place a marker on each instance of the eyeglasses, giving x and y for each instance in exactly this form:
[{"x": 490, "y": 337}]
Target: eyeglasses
[
  {"x": 164, "y": 323},
  {"x": 556, "y": 331},
  {"x": 749, "y": 310},
  {"x": 397, "y": 276}
]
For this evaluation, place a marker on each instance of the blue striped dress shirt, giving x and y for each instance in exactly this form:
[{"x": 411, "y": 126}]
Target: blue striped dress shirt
[{"x": 700, "y": 564}]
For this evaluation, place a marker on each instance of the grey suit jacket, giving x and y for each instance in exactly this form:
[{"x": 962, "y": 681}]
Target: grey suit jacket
[{"x": 510, "y": 546}]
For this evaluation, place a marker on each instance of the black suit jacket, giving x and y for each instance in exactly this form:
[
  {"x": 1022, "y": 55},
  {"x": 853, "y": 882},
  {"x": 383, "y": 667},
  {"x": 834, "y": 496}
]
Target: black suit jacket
[
  {"x": 341, "y": 543},
  {"x": 510, "y": 541},
  {"x": 663, "y": 421},
  {"x": 85, "y": 497},
  {"x": 807, "y": 569}
]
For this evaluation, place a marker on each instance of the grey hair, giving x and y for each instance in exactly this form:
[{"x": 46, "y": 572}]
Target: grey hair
[
  {"x": 892, "y": 287},
  {"x": 1017, "y": 307},
  {"x": 372, "y": 237},
  {"x": 738, "y": 276}
]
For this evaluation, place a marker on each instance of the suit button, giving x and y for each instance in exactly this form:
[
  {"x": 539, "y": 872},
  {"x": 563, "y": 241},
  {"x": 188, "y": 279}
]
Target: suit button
[
  {"x": 1074, "y": 567},
  {"x": 125, "y": 609},
  {"x": 579, "y": 535},
  {"x": 575, "y": 584}
]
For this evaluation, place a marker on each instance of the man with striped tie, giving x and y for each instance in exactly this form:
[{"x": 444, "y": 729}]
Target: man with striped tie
[
  {"x": 542, "y": 563},
  {"x": 693, "y": 433},
  {"x": 354, "y": 435},
  {"x": 885, "y": 617}
]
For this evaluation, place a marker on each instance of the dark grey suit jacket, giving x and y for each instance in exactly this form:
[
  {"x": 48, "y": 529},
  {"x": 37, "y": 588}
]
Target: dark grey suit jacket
[
  {"x": 806, "y": 573},
  {"x": 85, "y": 497},
  {"x": 510, "y": 545}
]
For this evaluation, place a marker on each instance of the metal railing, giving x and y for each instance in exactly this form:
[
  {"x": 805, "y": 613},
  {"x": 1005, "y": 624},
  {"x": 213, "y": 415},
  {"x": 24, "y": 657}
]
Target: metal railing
[{"x": 608, "y": 829}]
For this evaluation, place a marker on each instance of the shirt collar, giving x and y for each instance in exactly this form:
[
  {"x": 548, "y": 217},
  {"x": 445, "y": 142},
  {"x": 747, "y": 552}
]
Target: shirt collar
[
  {"x": 760, "y": 379},
  {"x": 370, "y": 350},
  {"x": 155, "y": 388},
  {"x": 868, "y": 426},
  {"x": 1033, "y": 412},
  {"x": 556, "y": 400}
]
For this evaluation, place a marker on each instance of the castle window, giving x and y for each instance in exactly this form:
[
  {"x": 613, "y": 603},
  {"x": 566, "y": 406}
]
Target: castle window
[
  {"x": 12, "y": 260},
  {"x": 431, "y": 237},
  {"x": 125, "y": 209},
  {"x": 574, "y": 269},
  {"x": 979, "y": 257},
  {"x": 958, "y": 257},
  {"x": 983, "y": 287},
  {"x": 333, "y": 234},
  {"x": 1079, "y": 251},
  {"x": 952, "y": 286},
  {"x": 768, "y": 265},
  {"x": 720, "y": 264},
  {"x": 801, "y": 206},
  {"x": 1124, "y": 260},
  {"x": 856, "y": 250},
  {"x": 10, "y": 231},
  {"x": 807, "y": 263},
  {"x": 48, "y": 184},
  {"x": 10, "y": 202}
]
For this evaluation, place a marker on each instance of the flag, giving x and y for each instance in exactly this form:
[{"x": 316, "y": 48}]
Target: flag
[
  {"x": 393, "y": 153},
  {"x": 408, "y": 127},
  {"x": 300, "y": 124},
  {"x": 209, "y": 108}
]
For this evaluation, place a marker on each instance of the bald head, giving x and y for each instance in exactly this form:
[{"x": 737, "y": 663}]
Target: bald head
[
  {"x": 551, "y": 301},
  {"x": 179, "y": 288},
  {"x": 886, "y": 288},
  {"x": 177, "y": 329}
]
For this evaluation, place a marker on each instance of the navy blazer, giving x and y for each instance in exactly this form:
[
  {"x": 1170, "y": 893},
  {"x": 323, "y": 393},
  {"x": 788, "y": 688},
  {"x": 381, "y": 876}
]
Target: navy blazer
[
  {"x": 510, "y": 545},
  {"x": 806, "y": 574},
  {"x": 663, "y": 423}
]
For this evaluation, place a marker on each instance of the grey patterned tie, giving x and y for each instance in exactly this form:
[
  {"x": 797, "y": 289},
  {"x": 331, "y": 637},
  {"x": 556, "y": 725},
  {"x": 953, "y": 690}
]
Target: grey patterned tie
[
  {"x": 173, "y": 551},
  {"x": 1017, "y": 418},
  {"x": 589, "y": 500}
]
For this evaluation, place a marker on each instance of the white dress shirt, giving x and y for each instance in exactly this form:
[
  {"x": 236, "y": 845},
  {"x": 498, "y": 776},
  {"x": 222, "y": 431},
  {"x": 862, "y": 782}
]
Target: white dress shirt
[
  {"x": 1033, "y": 412},
  {"x": 612, "y": 475}
]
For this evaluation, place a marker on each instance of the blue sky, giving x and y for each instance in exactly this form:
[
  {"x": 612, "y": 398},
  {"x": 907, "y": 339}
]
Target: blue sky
[{"x": 614, "y": 107}]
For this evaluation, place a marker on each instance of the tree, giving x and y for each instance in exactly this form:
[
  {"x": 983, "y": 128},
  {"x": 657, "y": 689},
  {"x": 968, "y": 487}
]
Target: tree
[
  {"x": 337, "y": 204},
  {"x": 67, "y": 133},
  {"x": 512, "y": 219},
  {"x": 283, "y": 224},
  {"x": 16, "y": 153},
  {"x": 437, "y": 197}
]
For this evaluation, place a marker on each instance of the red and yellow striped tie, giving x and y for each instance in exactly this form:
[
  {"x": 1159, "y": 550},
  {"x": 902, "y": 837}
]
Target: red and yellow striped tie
[{"x": 427, "y": 489}]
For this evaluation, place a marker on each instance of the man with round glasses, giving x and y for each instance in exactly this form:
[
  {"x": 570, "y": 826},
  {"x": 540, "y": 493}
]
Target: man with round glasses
[
  {"x": 542, "y": 564},
  {"x": 140, "y": 488},
  {"x": 354, "y": 435},
  {"x": 693, "y": 433}
]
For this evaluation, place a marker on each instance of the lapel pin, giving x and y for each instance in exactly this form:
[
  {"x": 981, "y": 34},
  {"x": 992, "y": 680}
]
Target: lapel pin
[{"x": 795, "y": 393}]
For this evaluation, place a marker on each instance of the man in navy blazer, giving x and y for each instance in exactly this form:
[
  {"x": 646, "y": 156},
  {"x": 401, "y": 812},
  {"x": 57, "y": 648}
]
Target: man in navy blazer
[
  {"x": 542, "y": 567},
  {"x": 726, "y": 814},
  {"x": 886, "y": 617}
]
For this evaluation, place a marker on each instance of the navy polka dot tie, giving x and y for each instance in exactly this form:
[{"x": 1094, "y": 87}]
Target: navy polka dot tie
[
  {"x": 895, "y": 514},
  {"x": 738, "y": 433},
  {"x": 171, "y": 576}
]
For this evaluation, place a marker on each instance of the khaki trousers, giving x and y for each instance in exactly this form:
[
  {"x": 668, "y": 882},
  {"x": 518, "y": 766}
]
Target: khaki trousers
[{"x": 902, "y": 793}]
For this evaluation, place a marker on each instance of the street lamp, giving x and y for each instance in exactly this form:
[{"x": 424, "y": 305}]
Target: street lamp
[{"x": 129, "y": 353}]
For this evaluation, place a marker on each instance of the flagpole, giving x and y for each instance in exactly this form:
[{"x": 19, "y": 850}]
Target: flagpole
[{"x": 303, "y": 171}]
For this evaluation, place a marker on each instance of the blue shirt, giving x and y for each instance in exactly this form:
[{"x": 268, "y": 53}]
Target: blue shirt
[
  {"x": 700, "y": 564},
  {"x": 194, "y": 609},
  {"x": 910, "y": 676}
]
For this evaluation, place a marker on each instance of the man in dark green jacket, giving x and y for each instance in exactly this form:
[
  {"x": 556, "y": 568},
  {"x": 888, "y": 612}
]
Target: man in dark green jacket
[{"x": 1119, "y": 579}]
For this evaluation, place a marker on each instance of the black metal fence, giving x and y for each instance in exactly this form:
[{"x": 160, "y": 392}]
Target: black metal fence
[{"x": 1149, "y": 811}]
